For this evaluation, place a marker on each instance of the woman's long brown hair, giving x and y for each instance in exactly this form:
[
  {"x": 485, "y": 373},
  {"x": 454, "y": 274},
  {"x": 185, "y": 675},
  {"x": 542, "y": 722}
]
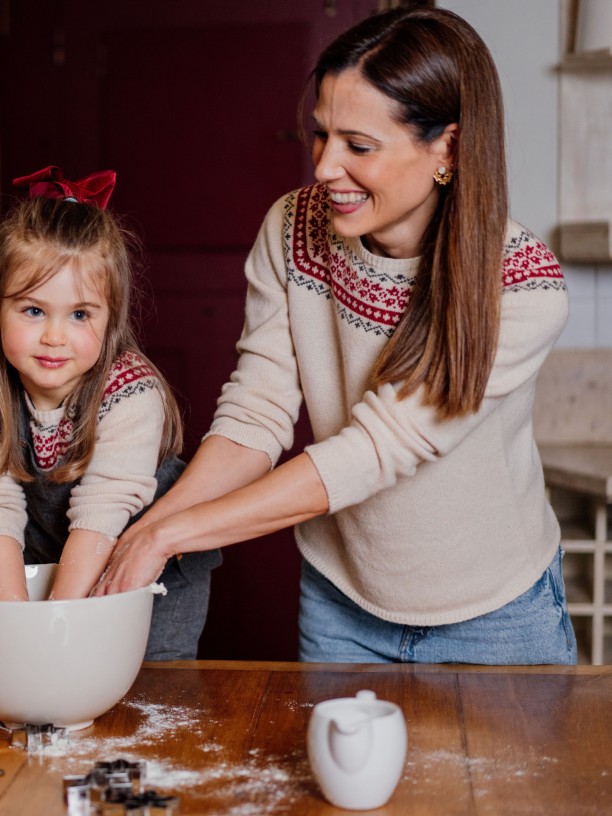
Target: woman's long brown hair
[
  {"x": 37, "y": 239},
  {"x": 438, "y": 71}
]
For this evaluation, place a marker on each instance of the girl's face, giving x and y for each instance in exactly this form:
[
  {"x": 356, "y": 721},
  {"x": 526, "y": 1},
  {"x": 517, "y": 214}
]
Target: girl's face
[
  {"x": 380, "y": 178},
  {"x": 53, "y": 334}
]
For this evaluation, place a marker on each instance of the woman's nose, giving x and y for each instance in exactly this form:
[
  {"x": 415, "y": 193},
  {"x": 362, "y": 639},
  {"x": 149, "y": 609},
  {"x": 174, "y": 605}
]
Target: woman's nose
[{"x": 327, "y": 163}]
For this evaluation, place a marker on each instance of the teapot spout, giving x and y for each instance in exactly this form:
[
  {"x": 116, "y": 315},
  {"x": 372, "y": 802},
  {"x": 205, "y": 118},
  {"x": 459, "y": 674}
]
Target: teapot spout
[
  {"x": 350, "y": 743},
  {"x": 348, "y": 726}
]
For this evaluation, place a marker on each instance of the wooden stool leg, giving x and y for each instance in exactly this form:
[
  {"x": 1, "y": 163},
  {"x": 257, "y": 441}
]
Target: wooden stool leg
[{"x": 601, "y": 532}]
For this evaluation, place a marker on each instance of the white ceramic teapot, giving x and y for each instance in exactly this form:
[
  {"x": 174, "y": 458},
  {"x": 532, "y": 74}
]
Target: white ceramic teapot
[{"x": 357, "y": 749}]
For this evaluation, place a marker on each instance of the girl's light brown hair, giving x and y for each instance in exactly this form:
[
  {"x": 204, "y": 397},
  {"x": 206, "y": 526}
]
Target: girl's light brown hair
[
  {"x": 37, "y": 238},
  {"x": 438, "y": 71}
]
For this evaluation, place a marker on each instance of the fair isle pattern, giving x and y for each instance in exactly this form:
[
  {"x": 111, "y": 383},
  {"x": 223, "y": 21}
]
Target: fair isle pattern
[
  {"x": 366, "y": 298},
  {"x": 51, "y": 442},
  {"x": 529, "y": 264},
  {"x": 317, "y": 259},
  {"x": 128, "y": 375}
]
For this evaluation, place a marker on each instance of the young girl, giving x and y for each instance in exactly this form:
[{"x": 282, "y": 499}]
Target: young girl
[
  {"x": 399, "y": 301},
  {"x": 89, "y": 429}
]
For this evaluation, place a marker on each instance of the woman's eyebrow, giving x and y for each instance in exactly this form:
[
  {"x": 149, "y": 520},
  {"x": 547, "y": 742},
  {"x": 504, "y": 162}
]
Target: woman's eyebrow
[
  {"x": 344, "y": 132},
  {"x": 316, "y": 122}
]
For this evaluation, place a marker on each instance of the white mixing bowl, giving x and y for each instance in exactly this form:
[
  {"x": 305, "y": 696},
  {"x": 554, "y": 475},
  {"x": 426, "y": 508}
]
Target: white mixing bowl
[{"x": 67, "y": 662}]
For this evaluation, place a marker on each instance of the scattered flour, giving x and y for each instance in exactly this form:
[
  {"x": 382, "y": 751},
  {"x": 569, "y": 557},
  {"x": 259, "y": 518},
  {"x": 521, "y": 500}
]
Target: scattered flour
[
  {"x": 293, "y": 705},
  {"x": 158, "y": 721},
  {"x": 420, "y": 766},
  {"x": 260, "y": 785}
]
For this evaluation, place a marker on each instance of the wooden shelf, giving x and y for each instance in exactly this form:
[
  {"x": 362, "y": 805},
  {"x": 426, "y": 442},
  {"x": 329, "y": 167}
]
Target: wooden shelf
[
  {"x": 586, "y": 241},
  {"x": 587, "y": 566},
  {"x": 600, "y": 60},
  {"x": 585, "y": 169}
]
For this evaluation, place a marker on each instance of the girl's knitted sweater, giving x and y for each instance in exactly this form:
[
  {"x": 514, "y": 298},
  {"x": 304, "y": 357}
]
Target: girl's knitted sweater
[
  {"x": 430, "y": 521},
  {"x": 120, "y": 478}
]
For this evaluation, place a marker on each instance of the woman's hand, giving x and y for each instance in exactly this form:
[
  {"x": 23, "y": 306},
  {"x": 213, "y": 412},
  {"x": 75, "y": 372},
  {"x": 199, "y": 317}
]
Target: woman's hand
[
  {"x": 134, "y": 563},
  {"x": 283, "y": 497},
  {"x": 219, "y": 466}
]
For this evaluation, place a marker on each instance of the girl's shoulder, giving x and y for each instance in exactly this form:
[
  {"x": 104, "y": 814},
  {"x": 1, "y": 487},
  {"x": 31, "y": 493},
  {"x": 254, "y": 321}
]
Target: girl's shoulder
[{"x": 131, "y": 373}]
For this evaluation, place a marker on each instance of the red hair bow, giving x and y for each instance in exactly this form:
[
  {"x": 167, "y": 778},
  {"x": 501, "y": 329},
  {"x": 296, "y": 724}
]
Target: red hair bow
[{"x": 95, "y": 189}]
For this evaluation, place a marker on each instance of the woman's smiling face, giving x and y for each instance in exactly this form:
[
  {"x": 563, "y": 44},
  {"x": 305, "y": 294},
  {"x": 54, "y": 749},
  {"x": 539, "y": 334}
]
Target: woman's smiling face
[{"x": 380, "y": 178}]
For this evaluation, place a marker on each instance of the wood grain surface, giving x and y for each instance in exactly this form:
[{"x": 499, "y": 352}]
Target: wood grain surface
[{"x": 230, "y": 738}]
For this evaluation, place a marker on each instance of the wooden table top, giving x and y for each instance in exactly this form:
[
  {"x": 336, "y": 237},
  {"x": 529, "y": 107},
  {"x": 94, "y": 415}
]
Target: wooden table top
[{"x": 230, "y": 738}]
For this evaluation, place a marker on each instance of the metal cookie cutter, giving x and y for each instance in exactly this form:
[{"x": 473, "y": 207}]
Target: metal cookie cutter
[
  {"x": 148, "y": 803},
  {"x": 120, "y": 774},
  {"x": 114, "y": 789},
  {"x": 34, "y": 738},
  {"x": 94, "y": 787},
  {"x": 76, "y": 794}
]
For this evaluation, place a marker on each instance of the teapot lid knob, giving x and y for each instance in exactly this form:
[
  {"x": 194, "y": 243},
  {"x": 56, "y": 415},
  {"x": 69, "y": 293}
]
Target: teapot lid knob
[{"x": 366, "y": 695}]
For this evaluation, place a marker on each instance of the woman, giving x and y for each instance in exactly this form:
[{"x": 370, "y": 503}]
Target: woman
[{"x": 412, "y": 316}]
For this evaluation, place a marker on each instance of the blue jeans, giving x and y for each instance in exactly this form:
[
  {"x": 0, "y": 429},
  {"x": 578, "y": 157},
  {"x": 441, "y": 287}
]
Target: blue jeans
[{"x": 535, "y": 628}]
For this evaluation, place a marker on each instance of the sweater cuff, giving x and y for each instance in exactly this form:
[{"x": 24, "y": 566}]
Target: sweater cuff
[
  {"x": 249, "y": 436},
  {"x": 16, "y": 532},
  {"x": 113, "y": 525},
  {"x": 344, "y": 471}
]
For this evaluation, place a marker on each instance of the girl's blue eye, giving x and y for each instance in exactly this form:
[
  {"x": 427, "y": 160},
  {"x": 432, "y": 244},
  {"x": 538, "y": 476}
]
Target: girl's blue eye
[
  {"x": 80, "y": 314},
  {"x": 33, "y": 311}
]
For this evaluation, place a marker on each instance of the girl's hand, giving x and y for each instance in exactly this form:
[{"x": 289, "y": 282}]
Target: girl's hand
[{"x": 84, "y": 557}]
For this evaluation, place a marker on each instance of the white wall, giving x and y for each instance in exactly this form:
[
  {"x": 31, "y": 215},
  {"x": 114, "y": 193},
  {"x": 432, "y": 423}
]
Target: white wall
[{"x": 524, "y": 38}]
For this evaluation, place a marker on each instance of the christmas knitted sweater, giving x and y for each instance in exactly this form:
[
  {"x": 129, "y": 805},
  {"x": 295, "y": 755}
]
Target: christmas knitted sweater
[
  {"x": 120, "y": 478},
  {"x": 430, "y": 521}
]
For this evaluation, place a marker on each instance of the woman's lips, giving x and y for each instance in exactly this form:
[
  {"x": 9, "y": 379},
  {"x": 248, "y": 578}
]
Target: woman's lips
[{"x": 346, "y": 202}]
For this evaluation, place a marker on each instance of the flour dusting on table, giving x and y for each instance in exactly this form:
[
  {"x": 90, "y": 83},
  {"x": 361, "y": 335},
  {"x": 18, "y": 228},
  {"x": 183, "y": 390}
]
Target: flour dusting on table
[
  {"x": 259, "y": 785},
  {"x": 423, "y": 766}
]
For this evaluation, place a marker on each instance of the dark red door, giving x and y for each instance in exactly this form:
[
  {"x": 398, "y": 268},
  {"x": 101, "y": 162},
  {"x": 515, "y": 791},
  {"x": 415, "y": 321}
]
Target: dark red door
[{"x": 194, "y": 104}]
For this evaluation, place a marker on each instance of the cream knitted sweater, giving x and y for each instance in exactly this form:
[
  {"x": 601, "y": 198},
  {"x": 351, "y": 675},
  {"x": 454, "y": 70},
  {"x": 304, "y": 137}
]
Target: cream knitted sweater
[
  {"x": 430, "y": 521},
  {"x": 120, "y": 479}
]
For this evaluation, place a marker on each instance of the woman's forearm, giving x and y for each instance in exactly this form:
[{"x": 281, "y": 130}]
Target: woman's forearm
[
  {"x": 219, "y": 466},
  {"x": 288, "y": 495},
  {"x": 283, "y": 497}
]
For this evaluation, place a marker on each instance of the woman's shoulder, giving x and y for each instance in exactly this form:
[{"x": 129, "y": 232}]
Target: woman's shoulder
[
  {"x": 312, "y": 192},
  {"x": 309, "y": 201},
  {"x": 527, "y": 260},
  {"x": 535, "y": 300}
]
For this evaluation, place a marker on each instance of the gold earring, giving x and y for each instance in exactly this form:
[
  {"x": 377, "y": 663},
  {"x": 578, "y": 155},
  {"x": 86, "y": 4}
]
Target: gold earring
[{"x": 443, "y": 175}]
